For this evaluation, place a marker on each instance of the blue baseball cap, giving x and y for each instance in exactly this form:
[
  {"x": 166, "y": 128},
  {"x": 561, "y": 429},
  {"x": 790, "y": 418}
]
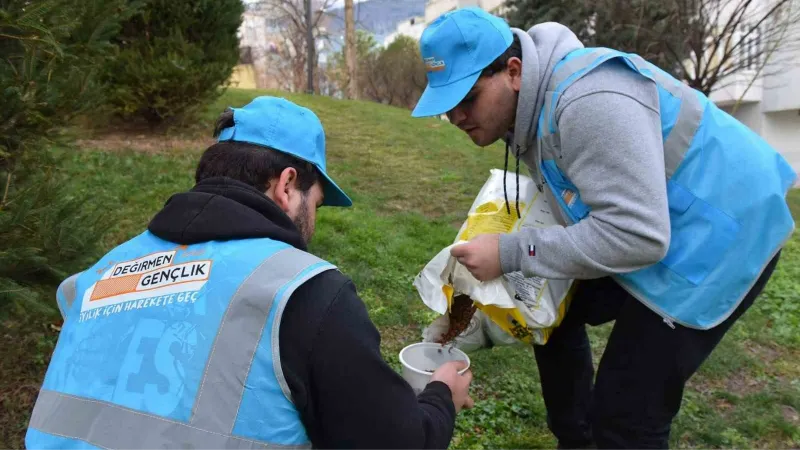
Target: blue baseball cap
[
  {"x": 284, "y": 126},
  {"x": 456, "y": 47}
]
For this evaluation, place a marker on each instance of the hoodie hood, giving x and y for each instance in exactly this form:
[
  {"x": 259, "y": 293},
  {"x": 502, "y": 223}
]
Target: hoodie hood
[
  {"x": 543, "y": 46},
  {"x": 219, "y": 209}
]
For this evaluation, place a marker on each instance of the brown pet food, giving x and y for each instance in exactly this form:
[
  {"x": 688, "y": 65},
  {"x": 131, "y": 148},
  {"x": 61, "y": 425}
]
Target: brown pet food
[{"x": 460, "y": 314}]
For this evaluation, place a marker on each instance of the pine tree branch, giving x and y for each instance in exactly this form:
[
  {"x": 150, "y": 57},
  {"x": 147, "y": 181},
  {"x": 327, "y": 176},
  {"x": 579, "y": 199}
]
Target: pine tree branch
[{"x": 5, "y": 191}]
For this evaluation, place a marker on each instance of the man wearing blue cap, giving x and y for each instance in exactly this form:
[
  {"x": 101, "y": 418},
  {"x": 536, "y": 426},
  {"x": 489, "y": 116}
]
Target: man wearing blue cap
[
  {"x": 672, "y": 213},
  {"x": 215, "y": 328}
]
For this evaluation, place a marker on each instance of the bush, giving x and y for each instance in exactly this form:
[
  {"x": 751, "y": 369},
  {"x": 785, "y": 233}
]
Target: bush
[
  {"x": 394, "y": 75},
  {"x": 174, "y": 57},
  {"x": 48, "y": 232},
  {"x": 367, "y": 52},
  {"x": 401, "y": 73},
  {"x": 52, "y": 51}
]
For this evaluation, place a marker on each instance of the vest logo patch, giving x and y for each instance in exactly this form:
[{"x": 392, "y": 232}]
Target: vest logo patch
[
  {"x": 434, "y": 65},
  {"x": 569, "y": 197},
  {"x": 151, "y": 280}
]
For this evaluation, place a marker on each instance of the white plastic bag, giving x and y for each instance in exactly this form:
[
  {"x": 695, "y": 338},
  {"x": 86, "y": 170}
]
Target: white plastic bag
[{"x": 526, "y": 308}]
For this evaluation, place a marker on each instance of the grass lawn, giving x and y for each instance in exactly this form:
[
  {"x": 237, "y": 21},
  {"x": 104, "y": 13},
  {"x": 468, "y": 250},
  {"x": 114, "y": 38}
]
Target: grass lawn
[{"x": 412, "y": 182}]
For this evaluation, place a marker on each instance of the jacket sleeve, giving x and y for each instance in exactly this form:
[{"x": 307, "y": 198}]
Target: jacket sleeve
[
  {"x": 360, "y": 401},
  {"x": 612, "y": 151}
]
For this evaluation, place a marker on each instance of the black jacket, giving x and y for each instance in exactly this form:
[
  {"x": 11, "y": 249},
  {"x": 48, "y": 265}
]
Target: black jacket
[{"x": 345, "y": 392}]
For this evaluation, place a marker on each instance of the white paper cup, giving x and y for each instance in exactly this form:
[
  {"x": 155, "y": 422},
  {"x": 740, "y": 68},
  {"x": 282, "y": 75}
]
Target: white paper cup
[{"x": 422, "y": 359}]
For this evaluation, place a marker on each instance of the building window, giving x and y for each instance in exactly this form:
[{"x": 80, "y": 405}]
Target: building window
[
  {"x": 246, "y": 55},
  {"x": 750, "y": 47}
]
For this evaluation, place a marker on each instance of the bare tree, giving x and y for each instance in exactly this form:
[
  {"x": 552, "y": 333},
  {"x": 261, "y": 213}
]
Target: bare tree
[
  {"x": 729, "y": 37},
  {"x": 643, "y": 27},
  {"x": 394, "y": 75},
  {"x": 775, "y": 54},
  {"x": 311, "y": 54},
  {"x": 350, "y": 49},
  {"x": 710, "y": 44},
  {"x": 367, "y": 52},
  {"x": 288, "y": 20},
  {"x": 707, "y": 43}
]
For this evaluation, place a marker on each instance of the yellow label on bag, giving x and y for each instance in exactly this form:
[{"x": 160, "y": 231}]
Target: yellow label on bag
[
  {"x": 491, "y": 218},
  {"x": 520, "y": 308},
  {"x": 511, "y": 321},
  {"x": 448, "y": 293}
]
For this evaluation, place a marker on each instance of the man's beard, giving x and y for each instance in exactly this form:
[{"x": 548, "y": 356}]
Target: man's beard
[{"x": 302, "y": 222}]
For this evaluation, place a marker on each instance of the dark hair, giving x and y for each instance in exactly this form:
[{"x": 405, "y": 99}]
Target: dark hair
[
  {"x": 249, "y": 163},
  {"x": 500, "y": 64}
]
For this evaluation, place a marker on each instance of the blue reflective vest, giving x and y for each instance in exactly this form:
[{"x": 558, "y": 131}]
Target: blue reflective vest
[
  {"x": 726, "y": 190},
  {"x": 168, "y": 346}
]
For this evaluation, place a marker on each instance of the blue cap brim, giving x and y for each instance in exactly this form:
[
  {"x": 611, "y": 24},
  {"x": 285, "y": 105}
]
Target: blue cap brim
[
  {"x": 334, "y": 195},
  {"x": 441, "y": 99}
]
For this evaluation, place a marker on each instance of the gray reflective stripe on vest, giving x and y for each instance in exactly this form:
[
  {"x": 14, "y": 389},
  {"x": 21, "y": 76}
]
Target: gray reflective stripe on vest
[
  {"x": 112, "y": 426},
  {"x": 574, "y": 65},
  {"x": 69, "y": 291},
  {"x": 680, "y": 137},
  {"x": 687, "y": 122},
  {"x": 222, "y": 386}
]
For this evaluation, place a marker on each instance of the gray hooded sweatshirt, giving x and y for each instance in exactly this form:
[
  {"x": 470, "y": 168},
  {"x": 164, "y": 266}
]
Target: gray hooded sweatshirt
[{"x": 611, "y": 149}]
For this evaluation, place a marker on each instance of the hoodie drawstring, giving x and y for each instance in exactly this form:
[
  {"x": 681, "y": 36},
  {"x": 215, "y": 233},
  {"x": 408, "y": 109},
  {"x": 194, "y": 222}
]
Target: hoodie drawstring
[
  {"x": 519, "y": 216},
  {"x": 505, "y": 190},
  {"x": 505, "y": 171}
]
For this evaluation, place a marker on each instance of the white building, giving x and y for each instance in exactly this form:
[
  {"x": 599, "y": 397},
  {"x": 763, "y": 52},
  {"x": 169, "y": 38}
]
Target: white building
[
  {"x": 769, "y": 101},
  {"x": 259, "y": 45},
  {"x": 266, "y": 50},
  {"x": 412, "y": 27}
]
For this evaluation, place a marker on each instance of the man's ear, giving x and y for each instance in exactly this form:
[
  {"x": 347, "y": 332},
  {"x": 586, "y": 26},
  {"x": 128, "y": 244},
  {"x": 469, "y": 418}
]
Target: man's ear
[
  {"x": 283, "y": 188},
  {"x": 514, "y": 70}
]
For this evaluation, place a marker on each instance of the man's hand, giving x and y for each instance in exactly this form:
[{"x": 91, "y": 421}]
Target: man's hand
[
  {"x": 447, "y": 373},
  {"x": 481, "y": 256}
]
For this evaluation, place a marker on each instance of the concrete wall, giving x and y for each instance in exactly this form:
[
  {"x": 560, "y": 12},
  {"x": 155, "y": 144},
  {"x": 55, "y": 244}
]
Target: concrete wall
[
  {"x": 743, "y": 86},
  {"x": 782, "y": 86},
  {"x": 782, "y": 130},
  {"x": 243, "y": 77}
]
